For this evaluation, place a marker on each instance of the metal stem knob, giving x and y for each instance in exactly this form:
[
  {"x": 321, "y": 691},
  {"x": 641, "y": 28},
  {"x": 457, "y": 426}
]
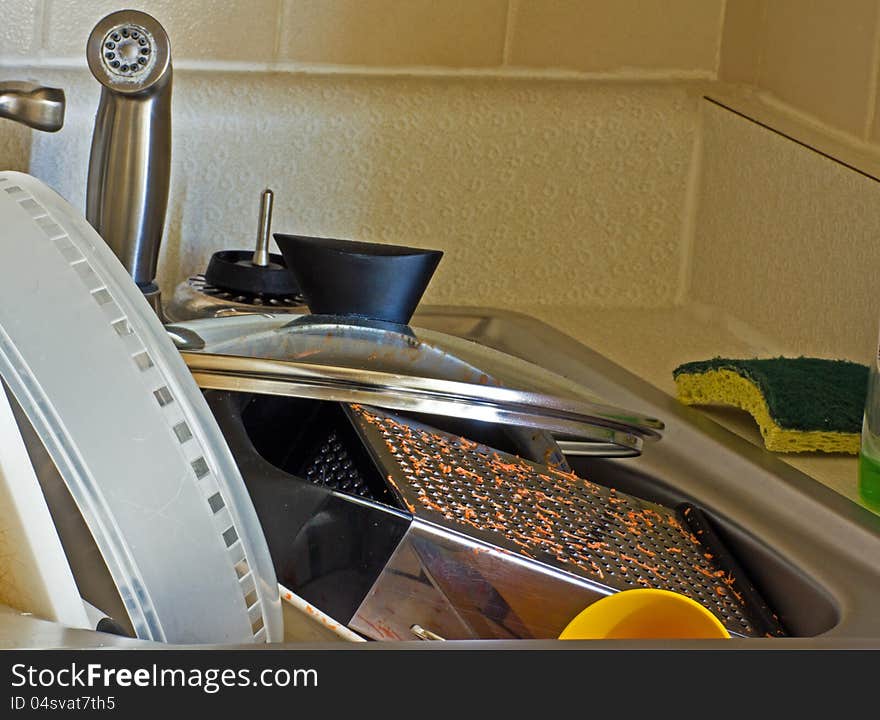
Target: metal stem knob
[{"x": 261, "y": 252}]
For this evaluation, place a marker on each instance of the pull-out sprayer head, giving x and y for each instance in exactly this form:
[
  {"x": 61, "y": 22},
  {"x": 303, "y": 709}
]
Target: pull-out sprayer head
[{"x": 129, "y": 53}]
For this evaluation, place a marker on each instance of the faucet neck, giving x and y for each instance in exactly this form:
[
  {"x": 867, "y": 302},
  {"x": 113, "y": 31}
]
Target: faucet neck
[{"x": 40, "y": 108}]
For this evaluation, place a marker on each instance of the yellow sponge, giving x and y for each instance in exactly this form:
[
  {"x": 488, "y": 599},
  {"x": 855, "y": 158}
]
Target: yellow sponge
[{"x": 799, "y": 404}]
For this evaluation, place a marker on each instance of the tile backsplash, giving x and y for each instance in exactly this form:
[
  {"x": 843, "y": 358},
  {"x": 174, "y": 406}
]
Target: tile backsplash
[
  {"x": 786, "y": 239},
  {"x": 410, "y": 121},
  {"x": 20, "y": 28},
  {"x": 206, "y": 30},
  {"x": 537, "y": 191},
  {"x": 819, "y": 58},
  {"x": 675, "y": 36},
  {"x": 596, "y": 35},
  {"x": 452, "y": 33},
  {"x": 558, "y": 151}
]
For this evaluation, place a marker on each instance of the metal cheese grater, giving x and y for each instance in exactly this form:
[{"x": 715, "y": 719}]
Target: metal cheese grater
[{"x": 560, "y": 520}]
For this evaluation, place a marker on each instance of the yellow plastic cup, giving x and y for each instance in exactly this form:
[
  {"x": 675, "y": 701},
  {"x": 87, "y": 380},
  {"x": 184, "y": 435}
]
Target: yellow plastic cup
[{"x": 644, "y": 613}]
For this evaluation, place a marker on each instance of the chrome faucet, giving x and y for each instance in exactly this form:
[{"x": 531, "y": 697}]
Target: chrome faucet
[{"x": 41, "y": 108}]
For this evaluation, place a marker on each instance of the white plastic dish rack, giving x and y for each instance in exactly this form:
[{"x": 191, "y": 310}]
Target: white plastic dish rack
[{"x": 128, "y": 430}]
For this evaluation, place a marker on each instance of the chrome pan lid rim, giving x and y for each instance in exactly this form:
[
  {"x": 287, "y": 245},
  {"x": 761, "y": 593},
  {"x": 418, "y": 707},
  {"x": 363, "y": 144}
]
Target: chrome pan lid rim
[{"x": 578, "y": 419}]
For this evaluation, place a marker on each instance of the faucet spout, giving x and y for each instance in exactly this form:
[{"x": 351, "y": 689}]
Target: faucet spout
[{"x": 41, "y": 108}]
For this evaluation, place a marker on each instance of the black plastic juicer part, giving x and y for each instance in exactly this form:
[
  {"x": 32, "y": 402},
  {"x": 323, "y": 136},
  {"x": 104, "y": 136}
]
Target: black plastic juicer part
[
  {"x": 234, "y": 271},
  {"x": 253, "y": 273},
  {"x": 359, "y": 279}
]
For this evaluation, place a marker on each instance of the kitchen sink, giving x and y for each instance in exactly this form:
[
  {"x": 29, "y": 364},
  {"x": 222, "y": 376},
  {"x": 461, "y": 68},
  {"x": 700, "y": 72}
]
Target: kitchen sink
[{"x": 813, "y": 554}]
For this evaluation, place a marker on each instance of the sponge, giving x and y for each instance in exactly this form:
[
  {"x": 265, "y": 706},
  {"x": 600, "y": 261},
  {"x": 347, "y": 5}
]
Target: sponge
[{"x": 801, "y": 404}]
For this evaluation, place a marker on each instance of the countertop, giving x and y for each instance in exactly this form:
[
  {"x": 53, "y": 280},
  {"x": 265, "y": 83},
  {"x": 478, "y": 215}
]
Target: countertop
[{"x": 652, "y": 342}]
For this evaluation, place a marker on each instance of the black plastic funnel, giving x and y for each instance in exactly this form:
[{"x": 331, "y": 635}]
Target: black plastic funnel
[{"x": 361, "y": 279}]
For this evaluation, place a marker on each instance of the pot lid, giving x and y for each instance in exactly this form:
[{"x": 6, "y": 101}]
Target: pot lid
[{"x": 404, "y": 368}]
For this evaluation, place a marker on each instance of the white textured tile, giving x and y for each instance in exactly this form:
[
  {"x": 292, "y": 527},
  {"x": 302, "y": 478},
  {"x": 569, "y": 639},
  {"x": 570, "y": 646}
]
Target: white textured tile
[
  {"x": 18, "y": 27},
  {"x": 820, "y": 56},
  {"x": 741, "y": 41},
  {"x": 451, "y": 33},
  {"x": 198, "y": 29},
  {"x": 15, "y": 146},
  {"x": 786, "y": 239},
  {"x": 600, "y": 35},
  {"x": 552, "y": 191}
]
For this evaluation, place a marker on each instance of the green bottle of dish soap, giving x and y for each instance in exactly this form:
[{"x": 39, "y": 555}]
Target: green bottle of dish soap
[{"x": 869, "y": 452}]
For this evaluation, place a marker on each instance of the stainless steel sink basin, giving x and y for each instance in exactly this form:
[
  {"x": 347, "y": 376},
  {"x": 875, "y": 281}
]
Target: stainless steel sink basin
[{"x": 813, "y": 554}]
